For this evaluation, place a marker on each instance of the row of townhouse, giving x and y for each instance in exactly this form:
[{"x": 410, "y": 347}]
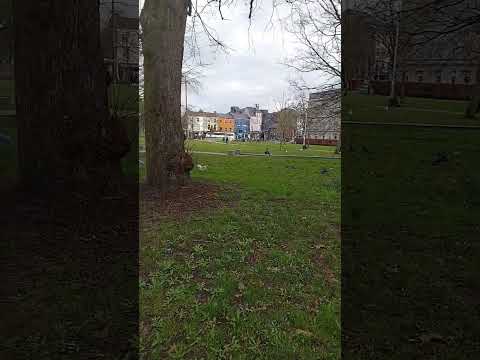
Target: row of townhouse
[
  {"x": 246, "y": 123},
  {"x": 321, "y": 125}
]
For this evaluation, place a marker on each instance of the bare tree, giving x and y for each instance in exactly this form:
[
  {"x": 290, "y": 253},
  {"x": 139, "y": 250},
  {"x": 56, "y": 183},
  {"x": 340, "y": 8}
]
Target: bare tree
[
  {"x": 287, "y": 118},
  {"x": 301, "y": 107},
  {"x": 316, "y": 24}
]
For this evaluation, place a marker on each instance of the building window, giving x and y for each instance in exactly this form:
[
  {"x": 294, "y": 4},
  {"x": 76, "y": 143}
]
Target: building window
[
  {"x": 438, "y": 76},
  {"x": 453, "y": 76},
  {"x": 467, "y": 76},
  {"x": 419, "y": 74}
]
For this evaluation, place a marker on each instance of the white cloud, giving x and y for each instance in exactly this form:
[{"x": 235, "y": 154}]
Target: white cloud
[{"x": 252, "y": 73}]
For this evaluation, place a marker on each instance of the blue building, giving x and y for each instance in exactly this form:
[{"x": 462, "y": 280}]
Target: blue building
[{"x": 242, "y": 126}]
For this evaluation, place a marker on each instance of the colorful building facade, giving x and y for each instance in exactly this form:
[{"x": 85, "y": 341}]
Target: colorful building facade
[
  {"x": 226, "y": 124},
  {"x": 242, "y": 127}
]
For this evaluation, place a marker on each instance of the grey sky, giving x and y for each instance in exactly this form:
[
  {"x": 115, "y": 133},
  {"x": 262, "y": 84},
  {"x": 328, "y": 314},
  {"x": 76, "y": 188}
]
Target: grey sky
[{"x": 251, "y": 73}]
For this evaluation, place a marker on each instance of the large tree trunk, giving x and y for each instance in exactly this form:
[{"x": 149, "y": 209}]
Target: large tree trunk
[
  {"x": 64, "y": 134},
  {"x": 163, "y": 25},
  {"x": 473, "y": 106}
]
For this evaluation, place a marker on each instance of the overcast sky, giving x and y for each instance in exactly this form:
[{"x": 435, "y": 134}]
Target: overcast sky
[{"x": 251, "y": 73}]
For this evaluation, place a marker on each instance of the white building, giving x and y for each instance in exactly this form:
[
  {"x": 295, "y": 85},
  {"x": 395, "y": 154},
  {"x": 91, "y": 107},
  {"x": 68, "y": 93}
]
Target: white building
[
  {"x": 256, "y": 122},
  {"x": 200, "y": 123}
]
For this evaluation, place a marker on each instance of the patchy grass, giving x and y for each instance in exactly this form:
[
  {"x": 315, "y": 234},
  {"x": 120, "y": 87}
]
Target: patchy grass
[
  {"x": 256, "y": 279},
  {"x": 412, "y": 110}
]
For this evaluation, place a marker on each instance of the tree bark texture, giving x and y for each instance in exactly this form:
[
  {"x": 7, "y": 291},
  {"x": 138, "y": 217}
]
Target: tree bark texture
[
  {"x": 65, "y": 135},
  {"x": 163, "y": 25},
  {"x": 473, "y": 106}
]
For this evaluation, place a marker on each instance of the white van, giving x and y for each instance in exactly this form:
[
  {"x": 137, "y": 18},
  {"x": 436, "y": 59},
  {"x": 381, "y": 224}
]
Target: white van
[{"x": 220, "y": 136}]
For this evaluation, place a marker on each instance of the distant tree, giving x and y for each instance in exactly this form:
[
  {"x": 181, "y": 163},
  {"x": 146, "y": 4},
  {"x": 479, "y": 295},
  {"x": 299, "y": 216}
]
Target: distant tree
[
  {"x": 287, "y": 125},
  {"x": 287, "y": 117}
]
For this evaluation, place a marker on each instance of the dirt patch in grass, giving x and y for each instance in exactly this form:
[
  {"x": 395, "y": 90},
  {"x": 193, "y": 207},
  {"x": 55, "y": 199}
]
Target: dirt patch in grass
[
  {"x": 178, "y": 204},
  {"x": 320, "y": 260}
]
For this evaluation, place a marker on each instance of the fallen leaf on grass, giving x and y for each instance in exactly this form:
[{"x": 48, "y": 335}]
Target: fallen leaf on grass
[
  {"x": 430, "y": 337},
  {"x": 303, "y": 332}
]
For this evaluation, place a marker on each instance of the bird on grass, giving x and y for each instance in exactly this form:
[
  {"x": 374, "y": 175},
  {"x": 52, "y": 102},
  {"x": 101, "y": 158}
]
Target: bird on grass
[
  {"x": 5, "y": 140},
  {"x": 440, "y": 158}
]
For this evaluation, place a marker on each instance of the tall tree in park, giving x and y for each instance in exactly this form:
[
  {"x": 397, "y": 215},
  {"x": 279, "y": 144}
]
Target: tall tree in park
[
  {"x": 65, "y": 133},
  {"x": 163, "y": 28},
  {"x": 163, "y": 25}
]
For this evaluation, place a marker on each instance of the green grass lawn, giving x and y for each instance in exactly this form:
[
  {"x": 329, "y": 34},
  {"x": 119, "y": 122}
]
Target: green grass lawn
[
  {"x": 410, "y": 231},
  {"x": 6, "y": 87},
  {"x": 255, "y": 148},
  {"x": 257, "y": 279},
  {"x": 260, "y": 147},
  {"x": 125, "y": 97},
  {"x": 412, "y": 110}
]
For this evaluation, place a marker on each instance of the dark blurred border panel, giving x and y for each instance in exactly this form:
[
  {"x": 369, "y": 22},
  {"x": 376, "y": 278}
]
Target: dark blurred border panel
[
  {"x": 69, "y": 179},
  {"x": 411, "y": 179}
]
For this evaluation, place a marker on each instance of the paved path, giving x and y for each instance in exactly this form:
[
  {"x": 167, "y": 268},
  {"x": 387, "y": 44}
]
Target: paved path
[
  {"x": 263, "y": 155},
  {"x": 7, "y": 112},
  {"x": 412, "y": 124},
  {"x": 424, "y": 110}
]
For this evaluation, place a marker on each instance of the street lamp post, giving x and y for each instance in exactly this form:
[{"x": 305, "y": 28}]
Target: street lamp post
[
  {"x": 186, "y": 106},
  {"x": 397, "y": 6}
]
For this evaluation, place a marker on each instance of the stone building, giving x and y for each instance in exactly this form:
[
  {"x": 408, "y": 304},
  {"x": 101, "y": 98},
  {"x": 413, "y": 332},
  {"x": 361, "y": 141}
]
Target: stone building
[
  {"x": 323, "y": 118},
  {"x": 120, "y": 44},
  {"x": 443, "y": 59}
]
